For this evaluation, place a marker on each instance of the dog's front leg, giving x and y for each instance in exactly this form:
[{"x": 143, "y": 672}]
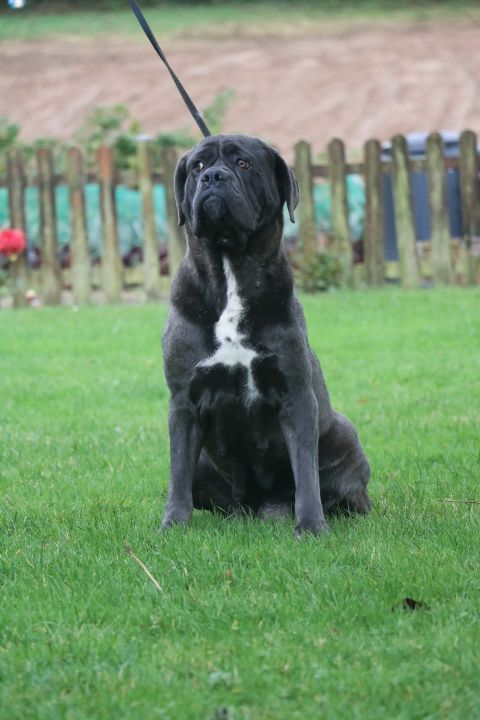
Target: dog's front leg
[
  {"x": 299, "y": 423},
  {"x": 184, "y": 453}
]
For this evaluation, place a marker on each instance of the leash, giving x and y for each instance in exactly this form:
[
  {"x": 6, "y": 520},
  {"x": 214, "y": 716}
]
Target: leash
[{"x": 197, "y": 116}]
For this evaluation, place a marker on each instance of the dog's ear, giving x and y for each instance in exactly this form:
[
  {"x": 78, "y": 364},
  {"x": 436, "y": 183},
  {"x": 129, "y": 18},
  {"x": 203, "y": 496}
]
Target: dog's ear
[
  {"x": 287, "y": 184},
  {"x": 179, "y": 180}
]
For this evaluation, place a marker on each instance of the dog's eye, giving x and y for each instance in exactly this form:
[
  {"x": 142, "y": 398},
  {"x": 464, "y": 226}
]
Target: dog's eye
[
  {"x": 244, "y": 164},
  {"x": 198, "y": 166}
]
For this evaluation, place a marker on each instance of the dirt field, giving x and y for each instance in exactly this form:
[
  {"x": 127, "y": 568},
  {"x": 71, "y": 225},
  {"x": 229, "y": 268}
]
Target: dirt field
[{"x": 354, "y": 84}]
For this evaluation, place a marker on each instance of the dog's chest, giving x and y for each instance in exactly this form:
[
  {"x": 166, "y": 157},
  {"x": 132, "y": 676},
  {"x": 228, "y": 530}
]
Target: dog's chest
[{"x": 232, "y": 347}]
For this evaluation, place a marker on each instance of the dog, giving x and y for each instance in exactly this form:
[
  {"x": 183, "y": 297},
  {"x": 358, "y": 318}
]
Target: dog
[{"x": 251, "y": 426}]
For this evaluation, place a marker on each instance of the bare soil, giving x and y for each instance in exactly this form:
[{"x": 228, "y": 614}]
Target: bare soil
[{"x": 354, "y": 83}]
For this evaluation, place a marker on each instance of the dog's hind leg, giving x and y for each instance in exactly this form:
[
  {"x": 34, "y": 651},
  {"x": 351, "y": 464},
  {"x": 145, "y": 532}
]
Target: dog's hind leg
[{"x": 344, "y": 469}]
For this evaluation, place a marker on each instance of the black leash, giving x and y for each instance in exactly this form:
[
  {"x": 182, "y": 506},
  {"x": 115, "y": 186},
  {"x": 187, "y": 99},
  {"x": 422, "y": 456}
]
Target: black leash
[{"x": 186, "y": 97}]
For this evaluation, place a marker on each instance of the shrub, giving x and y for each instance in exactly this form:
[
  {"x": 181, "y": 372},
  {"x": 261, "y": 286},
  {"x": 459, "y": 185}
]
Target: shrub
[
  {"x": 109, "y": 125},
  {"x": 319, "y": 272}
]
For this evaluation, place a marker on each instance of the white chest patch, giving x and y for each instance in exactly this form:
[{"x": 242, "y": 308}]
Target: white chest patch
[{"x": 231, "y": 349}]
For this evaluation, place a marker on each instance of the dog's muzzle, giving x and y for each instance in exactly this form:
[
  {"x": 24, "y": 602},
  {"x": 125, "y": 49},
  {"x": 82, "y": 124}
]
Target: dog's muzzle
[
  {"x": 214, "y": 207},
  {"x": 215, "y": 195},
  {"x": 221, "y": 208}
]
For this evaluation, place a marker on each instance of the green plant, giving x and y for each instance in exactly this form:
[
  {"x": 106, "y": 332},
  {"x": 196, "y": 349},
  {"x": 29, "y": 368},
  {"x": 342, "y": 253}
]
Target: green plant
[
  {"x": 317, "y": 273},
  {"x": 214, "y": 114},
  {"x": 113, "y": 126},
  {"x": 181, "y": 138},
  {"x": 10, "y": 138},
  {"x": 29, "y": 153}
]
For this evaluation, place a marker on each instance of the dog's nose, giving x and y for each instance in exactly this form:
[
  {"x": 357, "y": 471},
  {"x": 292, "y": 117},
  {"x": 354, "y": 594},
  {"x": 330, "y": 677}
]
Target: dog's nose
[{"x": 214, "y": 175}]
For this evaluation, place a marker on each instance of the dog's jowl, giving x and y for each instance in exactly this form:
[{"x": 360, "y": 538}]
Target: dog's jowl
[{"x": 251, "y": 424}]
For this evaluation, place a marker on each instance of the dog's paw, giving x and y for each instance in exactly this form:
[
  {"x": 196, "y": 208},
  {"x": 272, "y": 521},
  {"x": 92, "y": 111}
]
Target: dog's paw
[
  {"x": 313, "y": 525},
  {"x": 175, "y": 516}
]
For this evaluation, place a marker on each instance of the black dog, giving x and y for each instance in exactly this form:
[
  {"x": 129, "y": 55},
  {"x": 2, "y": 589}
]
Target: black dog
[{"x": 251, "y": 425}]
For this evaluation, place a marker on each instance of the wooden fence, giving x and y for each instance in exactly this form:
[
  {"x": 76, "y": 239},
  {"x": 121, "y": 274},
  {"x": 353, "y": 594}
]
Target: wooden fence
[{"x": 442, "y": 259}]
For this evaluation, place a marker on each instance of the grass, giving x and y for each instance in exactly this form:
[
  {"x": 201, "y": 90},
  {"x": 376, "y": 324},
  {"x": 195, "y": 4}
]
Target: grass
[
  {"x": 225, "y": 19},
  {"x": 250, "y": 624}
]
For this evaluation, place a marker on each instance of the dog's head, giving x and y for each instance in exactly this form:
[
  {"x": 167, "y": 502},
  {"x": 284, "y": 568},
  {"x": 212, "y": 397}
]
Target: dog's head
[{"x": 230, "y": 187}]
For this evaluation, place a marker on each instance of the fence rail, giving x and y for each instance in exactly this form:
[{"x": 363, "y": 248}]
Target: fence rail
[{"x": 442, "y": 259}]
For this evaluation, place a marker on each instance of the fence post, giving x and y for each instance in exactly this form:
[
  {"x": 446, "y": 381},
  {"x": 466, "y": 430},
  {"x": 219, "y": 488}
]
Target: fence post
[
  {"x": 470, "y": 194},
  {"x": 338, "y": 190},
  {"x": 176, "y": 237},
  {"x": 406, "y": 239},
  {"x": 373, "y": 235},
  {"x": 151, "y": 263},
  {"x": 112, "y": 269},
  {"x": 439, "y": 223},
  {"x": 80, "y": 253},
  {"x": 307, "y": 234},
  {"x": 51, "y": 273},
  {"x": 16, "y": 205}
]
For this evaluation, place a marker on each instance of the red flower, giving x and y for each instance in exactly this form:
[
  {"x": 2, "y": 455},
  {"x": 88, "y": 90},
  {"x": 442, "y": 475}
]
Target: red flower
[{"x": 12, "y": 242}]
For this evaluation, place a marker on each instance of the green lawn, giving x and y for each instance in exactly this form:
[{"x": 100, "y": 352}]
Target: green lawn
[
  {"x": 251, "y": 624},
  {"x": 227, "y": 18}
]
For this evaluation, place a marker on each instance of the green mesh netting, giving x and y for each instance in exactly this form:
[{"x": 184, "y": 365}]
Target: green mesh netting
[{"x": 130, "y": 226}]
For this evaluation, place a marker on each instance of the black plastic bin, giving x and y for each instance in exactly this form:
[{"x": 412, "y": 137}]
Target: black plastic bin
[{"x": 416, "y": 148}]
